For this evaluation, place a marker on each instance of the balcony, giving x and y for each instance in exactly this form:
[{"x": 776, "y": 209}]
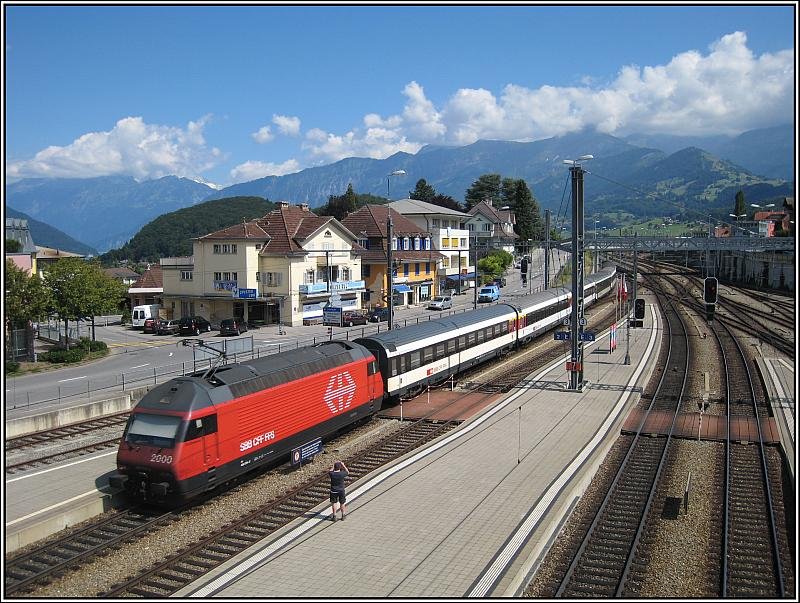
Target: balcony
[
  {"x": 180, "y": 262},
  {"x": 333, "y": 286}
]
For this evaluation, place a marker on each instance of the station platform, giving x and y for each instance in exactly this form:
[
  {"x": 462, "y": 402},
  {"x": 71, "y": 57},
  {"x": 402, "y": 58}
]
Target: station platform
[
  {"x": 779, "y": 376},
  {"x": 470, "y": 515},
  {"x": 41, "y": 502}
]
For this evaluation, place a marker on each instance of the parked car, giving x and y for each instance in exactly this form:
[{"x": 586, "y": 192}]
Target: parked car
[
  {"x": 194, "y": 325},
  {"x": 167, "y": 327},
  {"x": 500, "y": 281},
  {"x": 379, "y": 315},
  {"x": 488, "y": 293},
  {"x": 232, "y": 326},
  {"x": 149, "y": 325},
  {"x": 441, "y": 302},
  {"x": 351, "y": 318}
]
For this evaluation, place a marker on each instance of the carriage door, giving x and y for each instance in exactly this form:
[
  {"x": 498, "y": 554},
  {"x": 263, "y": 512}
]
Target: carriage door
[{"x": 210, "y": 441}]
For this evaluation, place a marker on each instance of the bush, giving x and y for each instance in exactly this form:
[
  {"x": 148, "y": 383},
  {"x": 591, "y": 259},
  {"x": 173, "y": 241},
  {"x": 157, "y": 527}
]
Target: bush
[
  {"x": 11, "y": 366},
  {"x": 87, "y": 345},
  {"x": 64, "y": 356},
  {"x": 126, "y": 317}
]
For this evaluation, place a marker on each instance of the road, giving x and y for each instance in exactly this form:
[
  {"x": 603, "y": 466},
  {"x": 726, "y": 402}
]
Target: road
[{"x": 138, "y": 359}]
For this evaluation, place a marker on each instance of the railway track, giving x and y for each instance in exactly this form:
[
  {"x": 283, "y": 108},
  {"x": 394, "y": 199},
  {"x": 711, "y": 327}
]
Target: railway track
[
  {"x": 188, "y": 565},
  {"x": 47, "y": 459},
  {"x": 46, "y": 563},
  {"x": 110, "y": 531},
  {"x": 751, "y": 559},
  {"x": 605, "y": 556},
  {"x": 50, "y": 436}
]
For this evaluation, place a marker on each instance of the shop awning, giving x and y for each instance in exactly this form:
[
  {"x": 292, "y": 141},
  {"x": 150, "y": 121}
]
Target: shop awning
[{"x": 401, "y": 288}]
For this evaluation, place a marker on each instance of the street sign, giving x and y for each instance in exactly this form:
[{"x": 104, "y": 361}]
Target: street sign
[
  {"x": 565, "y": 322},
  {"x": 561, "y": 336},
  {"x": 244, "y": 293},
  {"x": 582, "y": 321},
  {"x": 637, "y": 323},
  {"x": 586, "y": 336},
  {"x": 573, "y": 366},
  {"x": 332, "y": 315},
  {"x": 306, "y": 451}
]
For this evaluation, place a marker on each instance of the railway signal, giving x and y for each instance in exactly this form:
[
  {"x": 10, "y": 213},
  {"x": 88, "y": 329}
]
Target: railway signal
[
  {"x": 710, "y": 294},
  {"x": 638, "y": 308}
]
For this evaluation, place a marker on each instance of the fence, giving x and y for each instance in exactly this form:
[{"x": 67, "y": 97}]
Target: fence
[
  {"x": 20, "y": 346},
  {"x": 138, "y": 378}
]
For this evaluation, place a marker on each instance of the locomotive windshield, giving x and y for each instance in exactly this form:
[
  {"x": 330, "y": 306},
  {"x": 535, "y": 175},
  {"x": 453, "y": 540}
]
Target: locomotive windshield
[{"x": 153, "y": 430}]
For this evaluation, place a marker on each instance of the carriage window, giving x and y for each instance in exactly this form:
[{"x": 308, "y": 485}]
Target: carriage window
[
  {"x": 451, "y": 346},
  {"x": 462, "y": 342},
  {"x": 439, "y": 351},
  {"x": 470, "y": 339},
  {"x": 393, "y": 366},
  {"x": 413, "y": 360},
  {"x": 427, "y": 354}
]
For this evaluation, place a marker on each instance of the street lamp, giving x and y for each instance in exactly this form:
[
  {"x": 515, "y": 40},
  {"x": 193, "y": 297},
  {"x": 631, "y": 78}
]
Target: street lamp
[
  {"x": 388, "y": 178},
  {"x": 737, "y": 216},
  {"x": 762, "y": 206}
]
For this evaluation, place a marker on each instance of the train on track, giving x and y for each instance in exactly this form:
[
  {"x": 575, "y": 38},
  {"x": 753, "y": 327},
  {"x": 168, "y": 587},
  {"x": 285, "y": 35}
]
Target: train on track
[{"x": 195, "y": 433}]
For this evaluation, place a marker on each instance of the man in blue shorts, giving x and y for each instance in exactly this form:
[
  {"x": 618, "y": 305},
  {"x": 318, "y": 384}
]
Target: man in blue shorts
[{"x": 338, "y": 472}]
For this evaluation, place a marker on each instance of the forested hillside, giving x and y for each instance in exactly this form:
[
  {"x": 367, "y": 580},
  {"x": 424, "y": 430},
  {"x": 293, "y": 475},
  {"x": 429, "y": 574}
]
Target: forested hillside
[{"x": 171, "y": 235}]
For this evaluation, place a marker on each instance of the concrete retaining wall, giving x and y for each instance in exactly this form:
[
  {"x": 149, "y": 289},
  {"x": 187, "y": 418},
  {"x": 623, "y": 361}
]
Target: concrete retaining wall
[{"x": 74, "y": 414}]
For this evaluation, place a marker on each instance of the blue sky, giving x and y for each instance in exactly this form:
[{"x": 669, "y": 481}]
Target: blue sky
[{"x": 232, "y": 93}]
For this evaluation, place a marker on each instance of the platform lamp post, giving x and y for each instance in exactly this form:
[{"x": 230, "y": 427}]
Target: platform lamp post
[
  {"x": 389, "y": 262},
  {"x": 594, "y": 255},
  {"x": 575, "y": 365}
]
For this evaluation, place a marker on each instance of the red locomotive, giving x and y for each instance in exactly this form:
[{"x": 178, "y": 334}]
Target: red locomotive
[{"x": 193, "y": 433}]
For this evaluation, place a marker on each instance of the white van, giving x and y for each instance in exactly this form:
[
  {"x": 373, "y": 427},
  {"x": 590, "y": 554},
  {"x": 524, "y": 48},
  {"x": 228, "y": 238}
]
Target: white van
[{"x": 142, "y": 313}]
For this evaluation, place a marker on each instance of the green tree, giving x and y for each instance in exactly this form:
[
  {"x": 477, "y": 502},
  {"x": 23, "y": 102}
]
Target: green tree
[
  {"x": 740, "y": 208},
  {"x": 78, "y": 289},
  {"x": 423, "y": 191},
  {"x": 106, "y": 295},
  {"x": 13, "y": 246},
  {"x": 529, "y": 224},
  {"x": 26, "y": 297},
  {"x": 487, "y": 186}
]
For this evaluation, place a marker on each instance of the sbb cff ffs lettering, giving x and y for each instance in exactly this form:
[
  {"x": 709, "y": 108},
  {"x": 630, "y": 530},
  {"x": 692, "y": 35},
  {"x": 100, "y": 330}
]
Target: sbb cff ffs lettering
[
  {"x": 710, "y": 295},
  {"x": 638, "y": 308}
]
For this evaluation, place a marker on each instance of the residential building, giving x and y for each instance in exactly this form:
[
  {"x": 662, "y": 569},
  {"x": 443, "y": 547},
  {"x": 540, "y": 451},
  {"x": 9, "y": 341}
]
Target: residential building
[
  {"x": 149, "y": 289},
  {"x": 413, "y": 256},
  {"x": 491, "y": 227},
  {"x": 47, "y": 256},
  {"x": 449, "y": 236},
  {"x": 281, "y": 268},
  {"x": 25, "y": 256},
  {"x": 123, "y": 274}
]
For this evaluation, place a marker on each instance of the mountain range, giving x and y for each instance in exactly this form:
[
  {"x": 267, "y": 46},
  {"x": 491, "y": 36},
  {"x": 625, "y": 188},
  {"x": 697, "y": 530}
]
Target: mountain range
[{"x": 642, "y": 175}]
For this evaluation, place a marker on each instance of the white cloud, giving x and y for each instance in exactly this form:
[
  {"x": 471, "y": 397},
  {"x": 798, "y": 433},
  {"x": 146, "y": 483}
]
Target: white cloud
[
  {"x": 728, "y": 90},
  {"x": 263, "y": 135},
  {"x": 289, "y": 126},
  {"x": 251, "y": 170},
  {"x": 132, "y": 147}
]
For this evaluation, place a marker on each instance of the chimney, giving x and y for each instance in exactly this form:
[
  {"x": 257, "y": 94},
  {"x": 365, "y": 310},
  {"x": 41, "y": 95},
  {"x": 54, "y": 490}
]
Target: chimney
[
  {"x": 303, "y": 206},
  {"x": 488, "y": 202},
  {"x": 282, "y": 203}
]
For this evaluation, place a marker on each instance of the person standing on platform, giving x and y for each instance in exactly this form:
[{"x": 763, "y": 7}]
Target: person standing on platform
[{"x": 338, "y": 472}]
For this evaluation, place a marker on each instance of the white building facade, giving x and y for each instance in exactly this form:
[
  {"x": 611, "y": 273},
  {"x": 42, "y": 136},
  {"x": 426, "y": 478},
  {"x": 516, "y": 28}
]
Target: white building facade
[{"x": 282, "y": 268}]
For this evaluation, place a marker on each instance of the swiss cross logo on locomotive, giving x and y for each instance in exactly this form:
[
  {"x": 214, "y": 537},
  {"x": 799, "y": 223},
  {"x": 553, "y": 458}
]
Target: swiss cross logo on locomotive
[{"x": 340, "y": 391}]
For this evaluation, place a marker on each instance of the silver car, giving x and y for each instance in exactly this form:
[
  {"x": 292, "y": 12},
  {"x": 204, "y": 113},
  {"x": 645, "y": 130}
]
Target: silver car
[{"x": 441, "y": 302}]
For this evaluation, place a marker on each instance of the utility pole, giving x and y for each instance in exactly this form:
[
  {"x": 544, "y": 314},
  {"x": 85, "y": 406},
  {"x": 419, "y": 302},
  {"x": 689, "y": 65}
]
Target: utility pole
[
  {"x": 389, "y": 269},
  {"x": 546, "y": 248},
  {"x": 575, "y": 366}
]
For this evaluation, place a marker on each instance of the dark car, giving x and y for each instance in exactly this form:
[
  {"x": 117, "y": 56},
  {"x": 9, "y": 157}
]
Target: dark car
[
  {"x": 232, "y": 326},
  {"x": 167, "y": 327},
  {"x": 353, "y": 318},
  {"x": 194, "y": 325},
  {"x": 500, "y": 281},
  {"x": 149, "y": 325},
  {"x": 379, "y": 315}
]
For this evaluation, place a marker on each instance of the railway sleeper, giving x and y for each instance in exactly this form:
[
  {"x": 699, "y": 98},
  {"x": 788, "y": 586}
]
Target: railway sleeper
[{"x": 194, "y": 561}]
